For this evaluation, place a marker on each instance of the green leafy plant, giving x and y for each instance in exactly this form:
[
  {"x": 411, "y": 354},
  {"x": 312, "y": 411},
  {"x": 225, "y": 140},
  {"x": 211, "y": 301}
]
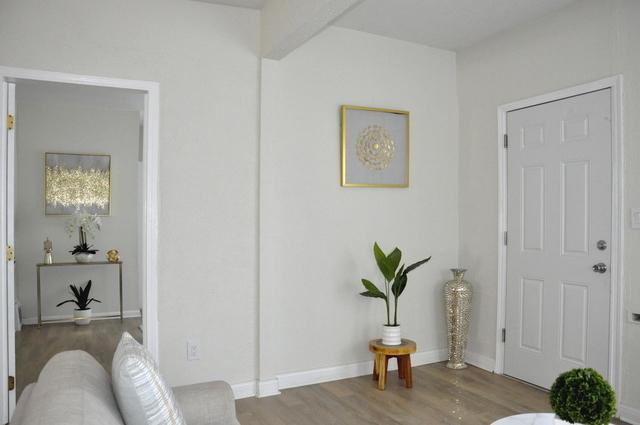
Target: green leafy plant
[
  {"x": 395, "y": 279},
  {"x": 81, "y": 295},
  {"x": 583, "y": 396}
]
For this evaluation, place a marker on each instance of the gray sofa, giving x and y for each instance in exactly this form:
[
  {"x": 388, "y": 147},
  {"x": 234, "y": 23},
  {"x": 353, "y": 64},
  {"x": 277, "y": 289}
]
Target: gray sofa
[{"x": 74, "y": 389}]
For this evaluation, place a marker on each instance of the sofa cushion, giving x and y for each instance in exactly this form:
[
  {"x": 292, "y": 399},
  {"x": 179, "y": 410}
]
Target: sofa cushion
[
  {"x": 72, "y": 389},
  {"x": 143, "y": 396}
]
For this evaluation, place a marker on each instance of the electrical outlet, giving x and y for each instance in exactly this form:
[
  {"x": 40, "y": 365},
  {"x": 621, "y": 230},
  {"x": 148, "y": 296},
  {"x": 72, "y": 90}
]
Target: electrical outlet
[
  {"x": 193, "y": 350},
  {"x": 635, "y": 218}
]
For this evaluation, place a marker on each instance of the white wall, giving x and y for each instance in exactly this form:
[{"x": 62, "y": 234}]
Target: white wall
[
  {"x": 589, "y": 40},
  {"x": 205, "y": 58},
  {"x": 47, "y": 125},
  {"x": 316, "y": 237}
]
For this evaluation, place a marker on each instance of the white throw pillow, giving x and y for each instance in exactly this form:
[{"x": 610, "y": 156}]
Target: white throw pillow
[{"x": 143, "y": 396}]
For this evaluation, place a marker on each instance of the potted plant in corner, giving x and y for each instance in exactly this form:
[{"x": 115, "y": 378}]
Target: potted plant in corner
[
  {"x": 82, "y": 314},
  {"x": 85, "y": 224},
  {"x": 395, "y": 282},
  {"x": 583, "y": 396}
]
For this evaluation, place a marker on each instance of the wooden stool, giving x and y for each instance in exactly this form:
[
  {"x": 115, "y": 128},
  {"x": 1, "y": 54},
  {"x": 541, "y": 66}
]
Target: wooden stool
[{"x": 383, "y": 353}]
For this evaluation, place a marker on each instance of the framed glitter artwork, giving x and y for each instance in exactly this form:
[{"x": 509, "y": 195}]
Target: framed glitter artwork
[
  {"x": 375, "y": 147},
  {"x": 77, "y": 182}
]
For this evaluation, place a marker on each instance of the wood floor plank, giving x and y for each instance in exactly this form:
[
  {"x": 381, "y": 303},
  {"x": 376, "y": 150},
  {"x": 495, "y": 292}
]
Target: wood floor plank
[
  {"x": 35, "y": 346},
  {"x": 440, "y": 396}
]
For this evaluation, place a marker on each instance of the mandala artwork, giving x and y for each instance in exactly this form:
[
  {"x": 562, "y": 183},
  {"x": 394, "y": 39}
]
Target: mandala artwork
[{"x": 375, "y": 147}]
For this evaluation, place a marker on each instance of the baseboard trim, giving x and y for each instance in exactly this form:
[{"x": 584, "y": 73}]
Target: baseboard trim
[
  {"x": 629, "y": 414},
  {"x": 483, "y": 362},
  {"x": 96, "y": 316},
  {"x": 317, "y": 376},
  {"x": 268, "y": 388},
  {"x": 327, "y": 374},
  {"x": 244, "y": 390}
]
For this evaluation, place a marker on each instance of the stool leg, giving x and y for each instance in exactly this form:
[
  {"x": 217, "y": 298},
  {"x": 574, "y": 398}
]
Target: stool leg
[
  {"x": 408, "y": 379},
  {"x": 401, "y": 367},
  {"x": 382, "y": 371},
  {"x": 375, "y": 367}
]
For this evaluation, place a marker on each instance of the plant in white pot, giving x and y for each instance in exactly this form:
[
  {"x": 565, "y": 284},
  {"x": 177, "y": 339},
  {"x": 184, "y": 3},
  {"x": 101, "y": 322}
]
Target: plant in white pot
[
  {"x": 395, "y": 282},
  {"x": 583, "y": 396},
  {"x": 85, "y": 224},
  {"x": 82, "y": 314}
]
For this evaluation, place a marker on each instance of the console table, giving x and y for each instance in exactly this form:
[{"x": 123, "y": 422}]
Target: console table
[{"x": 76, "y": 264}]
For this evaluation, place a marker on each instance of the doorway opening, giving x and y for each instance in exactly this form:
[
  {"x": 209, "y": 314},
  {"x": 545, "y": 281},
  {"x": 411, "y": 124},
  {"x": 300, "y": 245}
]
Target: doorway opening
[{"x": 81, "y": 160}]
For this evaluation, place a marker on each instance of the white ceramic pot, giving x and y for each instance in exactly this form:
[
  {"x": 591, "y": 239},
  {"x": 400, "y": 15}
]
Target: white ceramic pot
[
  {"x": 82, "y": 317},
  {"x": 391, "y": 335},
  {"x": 83, "y": 257}
]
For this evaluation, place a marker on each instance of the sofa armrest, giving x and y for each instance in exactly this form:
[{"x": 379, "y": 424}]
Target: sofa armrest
[
  {"x": 209, "y": 403},
  {"x": 22, "y": 406}
]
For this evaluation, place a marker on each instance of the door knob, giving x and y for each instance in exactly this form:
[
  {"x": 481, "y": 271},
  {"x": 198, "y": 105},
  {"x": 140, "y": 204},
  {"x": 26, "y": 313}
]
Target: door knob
[{"x": 599, "y": 268}]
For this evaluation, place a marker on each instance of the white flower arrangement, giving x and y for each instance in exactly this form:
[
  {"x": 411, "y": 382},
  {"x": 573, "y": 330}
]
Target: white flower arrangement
[{"x": 81, "y": 220}]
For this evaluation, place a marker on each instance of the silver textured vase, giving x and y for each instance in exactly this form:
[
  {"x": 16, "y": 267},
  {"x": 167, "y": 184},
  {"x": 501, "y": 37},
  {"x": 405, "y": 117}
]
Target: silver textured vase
[{"x": 457, "y": 294}]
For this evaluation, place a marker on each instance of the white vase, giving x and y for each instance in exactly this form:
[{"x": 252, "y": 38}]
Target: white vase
[
  {"x": 391, "y": 335},
  {"x": 82, "y": 317},
  {"x": 83, "y": 257}
]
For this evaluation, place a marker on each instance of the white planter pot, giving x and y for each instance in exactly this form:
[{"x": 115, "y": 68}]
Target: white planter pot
[
  {"x": 391, "y": 335},
  {"x": 83, "y": 257},
  {"x": 82, "y": 317}
]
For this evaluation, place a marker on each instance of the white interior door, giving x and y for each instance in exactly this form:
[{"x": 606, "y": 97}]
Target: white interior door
[
  {"x": 7, "y": 339},
  {"x": 559, "y": 209}
]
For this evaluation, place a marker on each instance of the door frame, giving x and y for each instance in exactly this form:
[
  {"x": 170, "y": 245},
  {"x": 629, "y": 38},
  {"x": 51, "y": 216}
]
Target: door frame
[
  {"x": 151, "y": 126},
  {"x": 617, "y": 217}
]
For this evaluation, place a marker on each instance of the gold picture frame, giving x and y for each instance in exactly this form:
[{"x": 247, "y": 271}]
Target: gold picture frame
[
  {"x": 73, "y": 163},
  {"x": 386, "y": 162}
]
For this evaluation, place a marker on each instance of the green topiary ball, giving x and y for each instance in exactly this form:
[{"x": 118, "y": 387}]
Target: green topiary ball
[{"x": 583, "y": 396}]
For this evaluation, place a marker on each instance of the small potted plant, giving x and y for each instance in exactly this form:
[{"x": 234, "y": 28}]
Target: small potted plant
[
  {"x": 395, "y": 282},
  {"x": 85, "y": 224},
  {"x": 583, "y": 396},
  {"x": 82, "y": 314}
]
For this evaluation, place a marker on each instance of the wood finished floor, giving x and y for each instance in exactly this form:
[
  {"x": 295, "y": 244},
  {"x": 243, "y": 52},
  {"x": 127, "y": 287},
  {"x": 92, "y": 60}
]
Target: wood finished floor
[
  {"x": 35, "y": 346},
  {"x": 439, "y": 396}
]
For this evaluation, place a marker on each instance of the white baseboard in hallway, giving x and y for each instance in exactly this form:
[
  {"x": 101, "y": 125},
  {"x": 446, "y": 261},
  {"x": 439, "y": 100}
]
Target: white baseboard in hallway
[
  {"x": 96, "y": 316},
  {"x": 327, "y": 374},
  {"x": 629, "y": 414}
]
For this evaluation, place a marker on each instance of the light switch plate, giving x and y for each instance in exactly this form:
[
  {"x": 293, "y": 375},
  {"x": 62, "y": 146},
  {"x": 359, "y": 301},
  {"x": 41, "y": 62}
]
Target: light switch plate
[{"x": 635, "y": 218}]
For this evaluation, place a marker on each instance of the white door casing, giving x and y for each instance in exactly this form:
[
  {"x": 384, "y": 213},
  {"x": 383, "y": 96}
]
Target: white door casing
[
  {"x": 559, "y": 205},
  {"x": 149, "y": 261},
  {"x": 7, "y": 292},
  {"x": 11, "y": 201}
]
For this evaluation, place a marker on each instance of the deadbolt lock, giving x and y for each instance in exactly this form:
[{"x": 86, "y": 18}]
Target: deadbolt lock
[{"x": 601, "y": 245}]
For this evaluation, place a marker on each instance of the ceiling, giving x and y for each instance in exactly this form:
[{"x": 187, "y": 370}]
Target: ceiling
[{"x": 447, "y": 24}]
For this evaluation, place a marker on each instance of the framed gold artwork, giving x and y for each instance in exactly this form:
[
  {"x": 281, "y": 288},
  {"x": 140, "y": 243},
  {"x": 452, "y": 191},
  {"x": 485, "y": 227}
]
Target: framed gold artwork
[
  {"x": 374, "y": 147},
  {"x": 77, "y": 182}
]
